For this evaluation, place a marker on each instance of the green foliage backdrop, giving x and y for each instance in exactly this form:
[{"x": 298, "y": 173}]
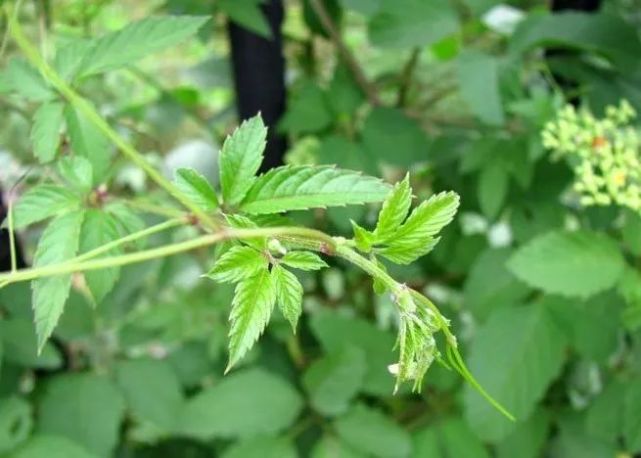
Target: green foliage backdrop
[{"x": 507, "y": 146}]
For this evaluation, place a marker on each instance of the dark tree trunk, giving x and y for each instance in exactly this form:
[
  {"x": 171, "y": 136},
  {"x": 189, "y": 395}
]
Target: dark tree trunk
[
  {"x": 577, "y": 5},
  {"x": 259, "y": 78}
]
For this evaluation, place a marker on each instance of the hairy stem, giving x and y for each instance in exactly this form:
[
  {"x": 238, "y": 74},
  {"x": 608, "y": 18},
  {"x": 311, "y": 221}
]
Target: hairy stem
[
  {"x": 75, "y": 265},
  {"x": 84, "y": 107}
]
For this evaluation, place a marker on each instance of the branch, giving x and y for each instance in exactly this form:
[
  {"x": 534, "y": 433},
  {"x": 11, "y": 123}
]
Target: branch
[
  {"x": 92, "y": 115},
  {"x": 357, "y": 71},
  {"x": 406, "y": 78}
]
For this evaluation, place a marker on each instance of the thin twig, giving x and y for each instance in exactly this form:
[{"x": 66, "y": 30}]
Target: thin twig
[
  {"x": 407, "y": 77},
  {"x": 334, "y": 34}
]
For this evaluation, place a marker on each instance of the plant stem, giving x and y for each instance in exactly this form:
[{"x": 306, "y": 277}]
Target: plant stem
[
  {"x": 12, "y": 235},
  {"x": 129, "y": 238},
  {"x": 84, "y": 107},
  {"x": 163, "y": 251},
  {"x": 406, "y": 78}
]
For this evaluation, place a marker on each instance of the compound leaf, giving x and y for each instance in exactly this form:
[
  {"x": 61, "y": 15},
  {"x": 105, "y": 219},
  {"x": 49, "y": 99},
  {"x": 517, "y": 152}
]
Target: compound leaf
[
  {"x": 87, "y": 141},
  {"x": 136, "y": 41},
  {"x": 58, "y": 243},
  {"x": 394, "y": 210},
  {"x": 240, "y": 159},
  {"x": 45, "y": 131},
  {"x": 196, "y": 188},
  {"x": 302, "y": 187},
  {"x": 303, "y": 260},
  {"x": 289, "y": 294},
  {"x": 251, "y": 309},
  {"x": 42, "y": 202},
  {"x": 239, "y": 263}
]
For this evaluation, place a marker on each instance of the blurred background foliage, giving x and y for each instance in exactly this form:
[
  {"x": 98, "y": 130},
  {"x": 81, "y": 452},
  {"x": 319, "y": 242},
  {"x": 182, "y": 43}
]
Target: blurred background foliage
[{"x": 544, "y": 294}]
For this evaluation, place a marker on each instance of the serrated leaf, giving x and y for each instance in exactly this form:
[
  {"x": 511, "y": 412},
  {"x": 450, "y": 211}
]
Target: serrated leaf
[
  {"x": 429, "y": 218},
  {"x": 87, "y": 141},
  {"x": 493, "y": 187},
  {"x": 137, "y": 40},
  {"x": 406, "y": 251},
  {"x": 27, "y": 81},
  {"x": 240, "y": 159},
  {"x": 302, "y": 187},
  {"x": 239, "y": 263},
  {"x": 394, "y": 210},
  {"x": 100, "y": 228},
  {"x": 526, "y": 348},
  {"x": 77, "y": 172},
  {"x": 45, "y": 130},
  {"x": 69, "y": 57},
  {"x": 289, "y": 294},
  {"x": 244, "y": 404},
  {"x": 58, "y": 243},
  {"x": 252, "y": 307},
  {"x": 42, "y": 202},
  {"x": 579, "y": 263},
  {"x": 303, "y": 260},
  {"x": 196, "y": 188},
  {"x": 334, "y": 380},
  {"x": 363, "y": 238}
]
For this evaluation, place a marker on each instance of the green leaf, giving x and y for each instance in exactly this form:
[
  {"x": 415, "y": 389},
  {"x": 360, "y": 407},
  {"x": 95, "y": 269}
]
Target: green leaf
[
  {"x": 579, "y": 263},
  {"x": 15, "y": 422},
  {"x": 70, "y": 56},
  {"x": 415, "y": 237},
  {"x": 42, "y": 202},
  {"x": 302, "y": 187},
  {"x": 478, "y": 75},
  {"x": 493, "y": 187},
  {"x": 45, "y": 130},
  {"x": 137, "y": 40},
  {"x": 248, "y": 14},
  {"x": 604, "y": 418},
  {"x": 371, "y": 432},
  {"x": 100, "y": 228},
  {"x": 526, "y": 349},
  {"x": 334, "y": 380},
  {"x": 87, "y": 141},
  {"x": 363, "y": 238},
  {"x": 240, "y": 159},
  {"x": 239, "y": 263},
  {"x": 262, "y": 447},
  {"x": 251, "y": 309},
  {"x": 51, "y": 447},
  {"x": 631, "y": 232},
  {"x": 27, "y": 81},
  {"x": 196, "y": 188},
  {"x": 77, "y": 173},
  {"x": 394, "y": 210},
  {"x": 244, "y": 404},
  {"x": 489, "y": 285},
  {"x": 307, "y": 110},
  {"x": 393, "y": 138},
  {"x": 58, "y": 243},
  {"x": 602, "y": 33},
  {"x": 631, "y": 418},
  {"x": 152, "y": 391},
  {"x": 91, "y": 406},
  {"x": 21, "y": 347},
  {"x": 335, "y": 332},
  {"x": 289, "y": 294},
  {"x": 303, "y": 260},
  {"x": 528, "y": 438},
  {"x": 458, "y": 441},
  {"x": 409, "y": 23}
]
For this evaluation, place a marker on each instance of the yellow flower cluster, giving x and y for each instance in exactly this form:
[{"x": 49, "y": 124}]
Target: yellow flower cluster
[{"x": 603, "y": 152}]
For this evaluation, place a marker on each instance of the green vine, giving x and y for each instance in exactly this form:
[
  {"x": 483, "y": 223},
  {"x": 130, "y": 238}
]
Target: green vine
[{"x": 261, "y": 251}]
